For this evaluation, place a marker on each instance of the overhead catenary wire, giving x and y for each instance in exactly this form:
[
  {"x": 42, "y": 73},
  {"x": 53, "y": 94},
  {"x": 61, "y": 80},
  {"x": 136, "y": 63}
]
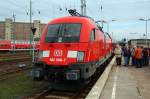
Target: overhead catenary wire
[{"x": 23, "y": 9}]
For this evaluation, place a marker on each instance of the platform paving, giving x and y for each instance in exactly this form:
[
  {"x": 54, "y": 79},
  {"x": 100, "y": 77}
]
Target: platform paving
[{"x": 127, "y": 83}]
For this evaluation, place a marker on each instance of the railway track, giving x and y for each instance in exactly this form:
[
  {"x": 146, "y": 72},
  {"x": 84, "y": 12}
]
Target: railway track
[
  {"x": 6, "y": 66},
  {"x": 7, "y": 74},
  {"x": 10, "y": 66},
  {"x": 13, "y": 60},
  {"x": 6, "y": 55},
  {"x": 79, "y": 94}
]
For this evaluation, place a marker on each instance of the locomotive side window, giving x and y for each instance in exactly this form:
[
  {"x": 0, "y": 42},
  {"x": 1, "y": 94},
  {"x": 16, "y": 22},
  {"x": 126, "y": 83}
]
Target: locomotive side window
[
  {"x": 66, "y": 32},
  {"x": 92, "y": 35}
]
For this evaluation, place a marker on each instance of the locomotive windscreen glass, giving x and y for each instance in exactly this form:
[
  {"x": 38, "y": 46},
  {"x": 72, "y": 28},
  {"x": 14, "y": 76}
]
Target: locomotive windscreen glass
[
  {"x": 68, "y": 32},
  {"x": 53, "y": 30}
]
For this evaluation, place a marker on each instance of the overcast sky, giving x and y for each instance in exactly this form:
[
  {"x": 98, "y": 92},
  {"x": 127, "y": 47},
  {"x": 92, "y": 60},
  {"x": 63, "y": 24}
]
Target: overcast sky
[{"x": 125, "y": 12}]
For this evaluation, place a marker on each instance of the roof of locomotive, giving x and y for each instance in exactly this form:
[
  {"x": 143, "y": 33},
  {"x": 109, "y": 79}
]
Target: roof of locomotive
[
  {"x": 72, "y": 19},
  {"x": 87, "y": 24}
]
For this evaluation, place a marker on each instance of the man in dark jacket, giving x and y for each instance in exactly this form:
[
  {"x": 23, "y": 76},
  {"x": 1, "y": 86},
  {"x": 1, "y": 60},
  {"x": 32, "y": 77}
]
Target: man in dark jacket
[
  {"x": 145, "y": 57},
  {"x": 127, "y": 55}
]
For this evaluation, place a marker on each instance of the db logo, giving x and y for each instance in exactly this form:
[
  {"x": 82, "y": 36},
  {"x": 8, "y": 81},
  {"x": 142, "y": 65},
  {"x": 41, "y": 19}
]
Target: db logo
[{"x": 58, "y": 53}]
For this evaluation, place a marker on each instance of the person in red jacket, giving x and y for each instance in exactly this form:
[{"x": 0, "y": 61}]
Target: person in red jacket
[{"x": 138, "y": 57}]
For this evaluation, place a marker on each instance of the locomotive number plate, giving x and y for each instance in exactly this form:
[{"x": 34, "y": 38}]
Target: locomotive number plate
[{"x": 57, "y": 60}]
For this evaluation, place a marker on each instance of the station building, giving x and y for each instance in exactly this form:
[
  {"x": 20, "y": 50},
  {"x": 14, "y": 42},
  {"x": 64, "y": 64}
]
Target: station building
[
  {"x": 140, "y": 42},
  {"x": 19, "y": 30}
]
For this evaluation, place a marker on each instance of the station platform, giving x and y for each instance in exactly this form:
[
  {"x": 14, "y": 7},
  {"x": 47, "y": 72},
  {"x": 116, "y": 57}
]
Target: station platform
[{"x": 127, "y": 83}]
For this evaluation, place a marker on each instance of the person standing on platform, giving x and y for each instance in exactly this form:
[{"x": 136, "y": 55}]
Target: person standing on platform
[
  {"x": 145, "y": 57},
  {"x": 133, "y": 56},
  {"x": 118, "y": 53},
  {"x": 127, "y": 55},
  {"x": 148, "y": 56},
  {"x": 138, "y": 57}
]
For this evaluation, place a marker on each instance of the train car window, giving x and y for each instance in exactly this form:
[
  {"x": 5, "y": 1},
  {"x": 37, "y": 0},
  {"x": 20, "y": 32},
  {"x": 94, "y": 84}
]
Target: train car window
[
  {"x": 66, "y": 32},
  {"x": 92, "y": 35}
]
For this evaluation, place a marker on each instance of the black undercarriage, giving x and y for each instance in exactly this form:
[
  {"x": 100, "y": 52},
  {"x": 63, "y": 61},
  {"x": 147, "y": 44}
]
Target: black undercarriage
[{"x": 73, "y": 74}]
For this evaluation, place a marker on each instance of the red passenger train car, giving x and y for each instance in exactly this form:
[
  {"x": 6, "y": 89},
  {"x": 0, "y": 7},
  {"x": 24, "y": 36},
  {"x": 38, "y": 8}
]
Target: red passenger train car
[
  {"x": 7, "y": 45},
  {"x": 71, "y": 48}
]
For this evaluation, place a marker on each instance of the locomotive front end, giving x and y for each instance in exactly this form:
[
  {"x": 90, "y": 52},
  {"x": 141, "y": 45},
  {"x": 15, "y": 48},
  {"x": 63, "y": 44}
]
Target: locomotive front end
[
  {"x": 61, "y": 54},
  {"x": 70, "y": 49}
]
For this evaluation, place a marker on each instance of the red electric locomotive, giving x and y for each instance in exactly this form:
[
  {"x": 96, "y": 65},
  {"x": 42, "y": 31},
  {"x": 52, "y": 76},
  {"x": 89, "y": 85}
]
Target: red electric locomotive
[{"x": 71, "y": 48}]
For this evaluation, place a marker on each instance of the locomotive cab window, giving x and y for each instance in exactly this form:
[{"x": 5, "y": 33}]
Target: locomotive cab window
[
  {"x": 53, "y": 30},
  {"x": 92, "y": 35},
  {"x": 66, "y": 32}
]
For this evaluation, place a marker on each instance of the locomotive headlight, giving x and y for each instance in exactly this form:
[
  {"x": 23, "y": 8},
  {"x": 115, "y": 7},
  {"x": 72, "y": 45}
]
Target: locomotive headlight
[
  {"x": 72, "y": 54},
  {"x": 80, "y": 56},
  {"x": 43, "y": 54},
  {"x": 46, "y": 53},
  {"x": 76, "y": 54}
]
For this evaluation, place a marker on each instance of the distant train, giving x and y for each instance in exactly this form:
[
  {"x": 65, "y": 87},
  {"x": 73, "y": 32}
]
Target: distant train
[
  {"x": 6, "y": 45},
  {"x": 71, "y": 48}
]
